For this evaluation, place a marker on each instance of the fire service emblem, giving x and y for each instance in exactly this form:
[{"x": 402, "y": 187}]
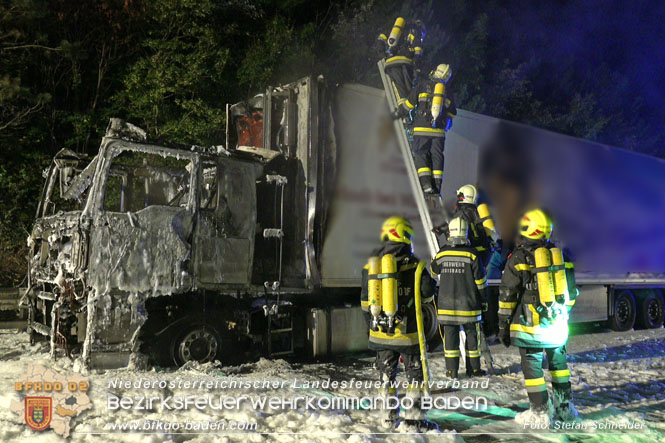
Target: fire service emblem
[{"x": 38, "y": 412}]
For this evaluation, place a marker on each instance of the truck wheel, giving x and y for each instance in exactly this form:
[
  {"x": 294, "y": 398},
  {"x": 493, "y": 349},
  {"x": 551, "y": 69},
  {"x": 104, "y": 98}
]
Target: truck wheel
[
  {"x": 624, "y": 311},
  {"x": 650, "y": 310},
  {"x": 198, "y": 342},
  {"x": 430, "y": 322}
]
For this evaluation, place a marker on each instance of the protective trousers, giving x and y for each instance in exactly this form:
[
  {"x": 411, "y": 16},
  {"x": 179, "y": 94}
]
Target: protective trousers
[
  {"x": 401, "y": 78},
  {"x": 451, "y": 347},
  {"x": 387, "y": 363},
  {"x": 428, "y": 158},
  {"x": 491, "y": 316},
  {"x": 532, "y": 366}
]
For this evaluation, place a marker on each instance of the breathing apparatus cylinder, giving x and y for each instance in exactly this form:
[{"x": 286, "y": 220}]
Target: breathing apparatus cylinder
[
  {"x": 544, "y": 276},
  {"x": 389, "y": 287},
  {"x": 396, "y": 32},
  {"x": 488, "y": 221},
  {"x": 374, "y": 289},
  {"x": 437, "y": 101},
  {"x": 560, "y": 279},
  {"x": 485, "y": 216}
]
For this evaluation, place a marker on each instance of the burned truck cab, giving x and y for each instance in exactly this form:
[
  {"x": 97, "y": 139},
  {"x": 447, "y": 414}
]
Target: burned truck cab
[
  {"x": 152, "y": 222},
  {"x": 176, "y": 253},
  {"x": 57, "y": 247}
]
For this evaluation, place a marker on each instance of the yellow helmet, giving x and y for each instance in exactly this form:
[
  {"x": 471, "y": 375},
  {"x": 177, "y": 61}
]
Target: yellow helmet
[
  {"x": 536, "y": 224},
  {"x": 467, "y": 194},
  {"x": 397, "y": 229},
  {"x": 442, "y": 73},
  {"x": 458, "y": 231}
]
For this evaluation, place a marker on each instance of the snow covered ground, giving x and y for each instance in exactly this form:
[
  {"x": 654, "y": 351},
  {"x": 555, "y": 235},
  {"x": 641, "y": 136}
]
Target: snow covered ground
[{"x": 618, "y": 380}]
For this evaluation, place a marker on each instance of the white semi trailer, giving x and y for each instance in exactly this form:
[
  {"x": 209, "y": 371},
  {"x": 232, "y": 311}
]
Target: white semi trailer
[{"x": 608, "y": 204}]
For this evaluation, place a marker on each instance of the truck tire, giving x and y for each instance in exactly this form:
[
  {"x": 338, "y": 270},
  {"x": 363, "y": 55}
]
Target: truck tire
[
  {"x": 196, "y": 341},
  {"x": 625, "y": 310},
  {"x": 650, "y": 309}
]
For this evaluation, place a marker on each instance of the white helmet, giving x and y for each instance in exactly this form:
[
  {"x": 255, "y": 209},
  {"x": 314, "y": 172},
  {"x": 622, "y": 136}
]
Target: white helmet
[
  {"x": 442, "y": 73},
  {"x": 458, "y": 231},
  {"x": 467, "y": 194}
]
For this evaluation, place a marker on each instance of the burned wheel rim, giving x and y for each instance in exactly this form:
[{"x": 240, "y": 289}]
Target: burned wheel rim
[{"x": 200, "y": 343}]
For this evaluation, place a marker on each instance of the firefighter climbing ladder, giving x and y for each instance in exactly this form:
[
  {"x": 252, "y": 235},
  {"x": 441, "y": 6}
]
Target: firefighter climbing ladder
[
  {"x": 423, "y": 210},
  {"x": 423, "y": 207},
  {"x": 405, "y": 148}
]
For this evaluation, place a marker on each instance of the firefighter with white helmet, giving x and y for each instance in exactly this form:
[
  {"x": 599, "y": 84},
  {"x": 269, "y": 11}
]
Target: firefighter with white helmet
[
  {"x": 434, "y": 112},
  {"x": 536, "y": 294},
  {"x": 392, "y": 282},
  {"x": 462, "y": 298},
  {"x": 482, "y": 235}
]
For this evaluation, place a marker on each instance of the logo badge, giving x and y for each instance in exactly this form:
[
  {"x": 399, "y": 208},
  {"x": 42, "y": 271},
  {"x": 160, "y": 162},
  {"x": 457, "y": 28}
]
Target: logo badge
[{"x": 38, "y": 412}]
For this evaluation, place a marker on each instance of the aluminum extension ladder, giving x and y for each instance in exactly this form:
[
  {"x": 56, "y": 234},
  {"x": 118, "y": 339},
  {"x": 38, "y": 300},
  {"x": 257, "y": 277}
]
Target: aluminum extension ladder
[{"x": 426, "y": 209}]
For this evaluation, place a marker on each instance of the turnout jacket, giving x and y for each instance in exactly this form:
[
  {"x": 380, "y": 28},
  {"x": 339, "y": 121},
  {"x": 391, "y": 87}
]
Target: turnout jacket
[
  {"x": 477, "y": 236},
  {"x": 405, "y": 338},
  {"x": 420, "y": 98},
  {"x": 462, "y": 285},
  {"x": 519, "y": 303}
]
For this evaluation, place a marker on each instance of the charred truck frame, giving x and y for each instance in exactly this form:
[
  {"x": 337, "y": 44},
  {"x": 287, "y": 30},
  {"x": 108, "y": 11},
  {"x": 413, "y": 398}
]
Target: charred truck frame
[{"x": 187, "y": 253}]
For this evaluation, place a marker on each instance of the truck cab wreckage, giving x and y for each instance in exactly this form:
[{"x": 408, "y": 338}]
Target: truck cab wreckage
[{"x": 185, "y": 253}]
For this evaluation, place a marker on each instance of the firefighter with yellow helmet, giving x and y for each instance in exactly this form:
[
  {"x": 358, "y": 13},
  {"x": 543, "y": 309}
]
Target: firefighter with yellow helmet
[
  {"x": 462, "y": 298},
  {"x": 403, "y": 49},
  {"x": 434, "y": 112},
  {"x": 536, "y": 294},
  {"x": 392, "y": 282}
]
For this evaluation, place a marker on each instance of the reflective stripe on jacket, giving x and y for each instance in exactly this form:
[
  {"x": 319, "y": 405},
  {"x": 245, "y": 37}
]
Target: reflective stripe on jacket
[{"x": 462, "y": 285}]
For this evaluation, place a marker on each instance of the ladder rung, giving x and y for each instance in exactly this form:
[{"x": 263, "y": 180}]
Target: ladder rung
[
  {"x": 46, "y": 295},
  {"x": 40, "y": 328},
  {"x": 281, "y": 353}
]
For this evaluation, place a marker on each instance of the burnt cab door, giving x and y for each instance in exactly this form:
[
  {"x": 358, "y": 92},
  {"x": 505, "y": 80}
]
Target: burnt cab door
[
  {"x": 140, "y": 238},
  {"x": 226, "y": 224}
]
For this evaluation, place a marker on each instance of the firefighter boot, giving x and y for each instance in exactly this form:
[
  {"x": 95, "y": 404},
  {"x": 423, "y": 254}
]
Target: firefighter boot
[
  {"x": 437, "y": 181},
  {"x": 414, "y": 393},
  {"x": 421, "y": 426},
  {"x": 538, "y": 417},
  {"x": 390, "y": 416},
  {"x": 426, "y": 185},
  {"x": 424, "y": 176},
  {"x": 565, "y": 412},
  {"x": 473, "y": 364}
]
